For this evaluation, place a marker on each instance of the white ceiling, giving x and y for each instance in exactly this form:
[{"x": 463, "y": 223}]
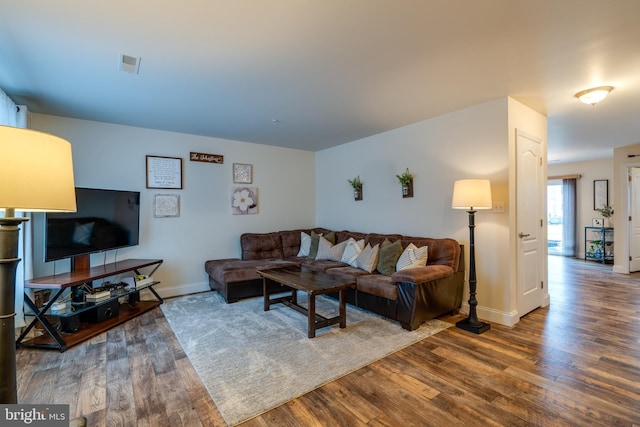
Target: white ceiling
[{"x": 326, "y": 71}]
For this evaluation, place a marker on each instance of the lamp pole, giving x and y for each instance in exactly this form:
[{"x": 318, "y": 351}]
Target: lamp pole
[
  {"x": 9, "y": 228},
  {"x": 471, "y": 323}
]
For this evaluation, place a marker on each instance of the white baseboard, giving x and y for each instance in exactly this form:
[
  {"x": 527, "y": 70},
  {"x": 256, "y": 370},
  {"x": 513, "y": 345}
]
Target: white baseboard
[
  {"x": 621, "y": 269},
  {"x": 176, "y": 291},
  {"x": 493, "y": 316}
]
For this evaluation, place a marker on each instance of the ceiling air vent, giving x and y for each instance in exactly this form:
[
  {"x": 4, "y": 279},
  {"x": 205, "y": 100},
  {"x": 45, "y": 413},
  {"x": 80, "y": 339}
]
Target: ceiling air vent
[{"x": 130, "y": 64}]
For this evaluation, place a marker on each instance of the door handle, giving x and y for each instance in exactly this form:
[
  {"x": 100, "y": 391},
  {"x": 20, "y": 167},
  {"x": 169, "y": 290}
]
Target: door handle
[{"x": 523, "y": 235}]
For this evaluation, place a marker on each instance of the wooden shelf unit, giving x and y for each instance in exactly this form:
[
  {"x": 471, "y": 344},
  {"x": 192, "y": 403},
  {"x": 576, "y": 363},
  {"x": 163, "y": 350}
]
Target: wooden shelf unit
[{"x": 52, "y": 338}]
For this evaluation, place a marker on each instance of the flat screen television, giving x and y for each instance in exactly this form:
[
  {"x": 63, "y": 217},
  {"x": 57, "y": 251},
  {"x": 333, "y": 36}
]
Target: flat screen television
[{"x": 104, "y": 220}]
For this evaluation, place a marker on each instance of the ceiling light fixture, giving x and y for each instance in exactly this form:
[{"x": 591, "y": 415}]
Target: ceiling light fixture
[{"x": 594, "y": 95}]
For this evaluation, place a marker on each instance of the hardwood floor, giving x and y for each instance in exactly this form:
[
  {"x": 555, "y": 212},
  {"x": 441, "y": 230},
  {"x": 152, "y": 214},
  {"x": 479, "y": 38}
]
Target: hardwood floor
[{"x": 574, "y": 363}]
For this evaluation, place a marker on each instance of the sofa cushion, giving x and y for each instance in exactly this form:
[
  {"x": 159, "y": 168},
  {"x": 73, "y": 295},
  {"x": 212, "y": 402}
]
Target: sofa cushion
[
  {"x": 378, "y": 285},
  {"x": 346, "y": 235},
  {"x": 347, "y": 274},
  {"x": 388, "y": 258},
  {"x": 412, "y": 257},
  {"x": 232, "y": 270},
  {"x": 376, "y": 238},
  {"x": 443, "y": 251},
  {"x": 321, "y": 265},
  {"x": 422, "y": 274},
  {"x": 261, "y": 246},
  {"x": 368, "y": 258}
]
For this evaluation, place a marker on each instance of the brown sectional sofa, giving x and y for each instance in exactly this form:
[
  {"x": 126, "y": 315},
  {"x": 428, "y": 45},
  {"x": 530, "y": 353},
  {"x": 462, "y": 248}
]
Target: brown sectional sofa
[{"x": 410, "y": 296}]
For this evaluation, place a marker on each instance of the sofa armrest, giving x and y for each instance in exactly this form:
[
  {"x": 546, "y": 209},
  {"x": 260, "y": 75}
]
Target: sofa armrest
[
  {"x": 418, "y": 302},
  {"x": 422, "y": 274}
]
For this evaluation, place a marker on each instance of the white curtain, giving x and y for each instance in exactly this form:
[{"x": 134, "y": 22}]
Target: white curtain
[{"x": 16, "y": 116}]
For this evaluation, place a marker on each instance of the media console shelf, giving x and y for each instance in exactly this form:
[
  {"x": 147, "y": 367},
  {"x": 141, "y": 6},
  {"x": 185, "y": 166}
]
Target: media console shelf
[{"x": 60, "y": 282}]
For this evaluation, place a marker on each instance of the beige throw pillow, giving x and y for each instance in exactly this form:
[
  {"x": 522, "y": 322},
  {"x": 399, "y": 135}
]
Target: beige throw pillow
[
  {"x": 413, "y": 257},
  {"x": 368, "y": 258},
  {"x": 324, "y": 249},
  {"x": 337, "y": 250}
]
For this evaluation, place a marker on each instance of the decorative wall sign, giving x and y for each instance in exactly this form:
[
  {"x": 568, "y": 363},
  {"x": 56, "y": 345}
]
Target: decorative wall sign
[
  {"x": 166, "y": 205},
  {"x": 600, "y": 193},
  {"x": 242, "y": 173},
  {"x": 207, "y": 158},
  {"x": 244, "y": 200},
  {"x": 164, "y": 172}
]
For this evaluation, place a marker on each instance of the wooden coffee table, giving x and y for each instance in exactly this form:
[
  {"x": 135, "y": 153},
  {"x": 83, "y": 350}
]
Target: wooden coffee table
[{"x": 313, "y": 283}]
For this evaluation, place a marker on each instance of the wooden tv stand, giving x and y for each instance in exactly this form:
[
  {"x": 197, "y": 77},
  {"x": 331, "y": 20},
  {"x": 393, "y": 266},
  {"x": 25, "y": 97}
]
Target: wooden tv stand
[{"x": 60, "y": 282}]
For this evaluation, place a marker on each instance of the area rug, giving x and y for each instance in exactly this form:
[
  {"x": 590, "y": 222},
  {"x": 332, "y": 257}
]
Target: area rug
[{"x": 251, "y": 361}]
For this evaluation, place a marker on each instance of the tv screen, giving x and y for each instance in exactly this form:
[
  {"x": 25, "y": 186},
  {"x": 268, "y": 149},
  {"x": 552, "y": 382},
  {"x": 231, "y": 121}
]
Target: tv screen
[{"x": 104, "y": 220}]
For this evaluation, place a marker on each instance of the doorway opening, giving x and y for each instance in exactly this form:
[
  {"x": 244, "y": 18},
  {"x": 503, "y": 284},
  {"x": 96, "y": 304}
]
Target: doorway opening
[
  {"x": 555, "y": 220},
  {"x": 561, "y": 217}
]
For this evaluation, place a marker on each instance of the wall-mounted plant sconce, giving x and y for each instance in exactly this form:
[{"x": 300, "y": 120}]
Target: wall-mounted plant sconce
[
  {"x": 406, "y": 179},
  {"x": 356, "y": 183}
]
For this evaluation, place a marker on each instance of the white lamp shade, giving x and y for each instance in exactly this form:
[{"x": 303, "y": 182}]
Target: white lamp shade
[
  {"x": 36, "y": 172},
  {"x": 471, "y": 194}
]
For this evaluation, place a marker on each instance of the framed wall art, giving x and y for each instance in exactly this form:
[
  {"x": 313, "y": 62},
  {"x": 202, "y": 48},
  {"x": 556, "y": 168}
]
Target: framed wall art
[
  {"x": 244, "y": 200},
  {"x": 164, "y": 172},
  {"x": 166, "y": 205},
  {"x": 242, "y": 173},
  {"x": 600, "y": 193}
]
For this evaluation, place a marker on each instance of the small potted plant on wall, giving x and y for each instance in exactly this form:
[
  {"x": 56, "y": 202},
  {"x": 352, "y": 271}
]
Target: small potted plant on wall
[
  {"x": 606, "y": 212},
  {"x": 406, "y": 179},
  {"x": 356, "y": 183}
]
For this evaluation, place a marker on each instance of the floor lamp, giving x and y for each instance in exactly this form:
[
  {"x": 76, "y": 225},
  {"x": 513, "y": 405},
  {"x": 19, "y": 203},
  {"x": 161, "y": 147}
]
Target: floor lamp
[
  {"x": 36, "y": 175},
  {"x": 472, "y": 194}
]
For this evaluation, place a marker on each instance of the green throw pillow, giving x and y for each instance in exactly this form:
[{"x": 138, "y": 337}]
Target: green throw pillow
[{"x": 388, "y": 257}]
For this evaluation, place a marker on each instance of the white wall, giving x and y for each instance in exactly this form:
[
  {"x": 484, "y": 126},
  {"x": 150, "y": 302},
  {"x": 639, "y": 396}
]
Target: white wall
[
  {"x": 589, "y": 171},
  {"x": 303, "y": 189},
  {"x": 470, "y": 143},
  {"x": 113, "y": 156}
]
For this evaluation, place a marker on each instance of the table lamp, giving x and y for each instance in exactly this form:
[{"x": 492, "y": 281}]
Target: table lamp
[
  {"x": 36, "y": 175},
  {"x": 472, "y": 194}
]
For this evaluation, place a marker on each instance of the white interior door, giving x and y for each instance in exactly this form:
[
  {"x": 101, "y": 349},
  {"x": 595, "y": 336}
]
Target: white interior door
[
  {"x": 531, "y": 190},
  {"x": 634, "y": 203}
]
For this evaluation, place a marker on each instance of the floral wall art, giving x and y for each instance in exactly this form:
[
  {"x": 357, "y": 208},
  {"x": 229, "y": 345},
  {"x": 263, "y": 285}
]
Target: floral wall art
[{"x": 244, "y": 200}]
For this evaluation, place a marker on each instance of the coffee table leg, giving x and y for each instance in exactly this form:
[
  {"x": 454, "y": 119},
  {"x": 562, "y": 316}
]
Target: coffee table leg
[
  {"x": 265, "y": 292},
  {"x": 312, "y": 316},
  {"x": 343, "y": 308}
]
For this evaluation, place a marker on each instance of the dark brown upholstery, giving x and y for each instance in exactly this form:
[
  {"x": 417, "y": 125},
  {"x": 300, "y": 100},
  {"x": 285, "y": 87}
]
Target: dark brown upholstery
[
  {"x": 261, "y": 246},
  {"x": 410, "y": 296},
  {"x": 378, "y": 285}
]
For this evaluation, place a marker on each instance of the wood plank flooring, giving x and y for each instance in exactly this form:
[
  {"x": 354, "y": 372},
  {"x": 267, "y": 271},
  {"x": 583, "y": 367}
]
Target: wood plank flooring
[{"x": 574, "y": 363}]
